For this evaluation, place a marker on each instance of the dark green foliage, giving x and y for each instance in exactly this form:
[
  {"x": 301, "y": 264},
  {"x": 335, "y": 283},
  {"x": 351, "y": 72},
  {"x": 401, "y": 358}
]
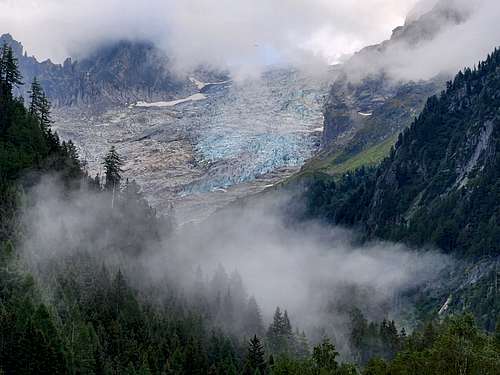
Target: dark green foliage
[
  {"x": 28, "y": 147},
  {"x": 255, "y": 359},
  {"x": 454, "y": 347},
  {"x": 112, "y": 166},
  {"x": 280, "y": 338},
  {"x": 441, "y": 183},
  {"x": 369, "y": 339},
  {"x": 40, "y": 106},
  {"x": 325, "y": 356},
  {"x": 9, "y": 71}
]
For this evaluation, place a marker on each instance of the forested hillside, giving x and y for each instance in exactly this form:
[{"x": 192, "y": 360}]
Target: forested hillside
[
  {"x": 441, "y": 183},
  {"x": 85, "y": 303}
]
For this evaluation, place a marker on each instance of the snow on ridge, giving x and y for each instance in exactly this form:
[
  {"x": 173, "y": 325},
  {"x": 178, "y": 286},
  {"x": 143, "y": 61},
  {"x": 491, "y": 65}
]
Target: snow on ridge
[
  {"x": 201, "y": 85},
  {"x": 194, "y": 97}
]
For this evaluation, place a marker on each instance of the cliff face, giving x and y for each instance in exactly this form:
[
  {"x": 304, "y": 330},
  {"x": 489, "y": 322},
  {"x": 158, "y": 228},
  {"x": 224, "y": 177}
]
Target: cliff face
[
  {"x": 116, "y": 74},
  {"x": 366, "y": 105}
]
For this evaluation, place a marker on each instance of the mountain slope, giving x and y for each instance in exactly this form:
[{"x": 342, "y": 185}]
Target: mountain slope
[
  {"x": 369, "y": 104},
  {"x": 441, "y": 183}
]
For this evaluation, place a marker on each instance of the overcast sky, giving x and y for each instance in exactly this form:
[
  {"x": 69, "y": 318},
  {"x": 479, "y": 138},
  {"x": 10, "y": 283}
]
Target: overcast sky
[
  {"x": 245, "y": 35},
  {"x": 218, "y": 31}
]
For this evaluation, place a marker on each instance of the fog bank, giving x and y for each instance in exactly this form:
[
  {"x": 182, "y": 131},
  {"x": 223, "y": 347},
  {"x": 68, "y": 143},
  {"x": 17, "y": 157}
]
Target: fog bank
[{"x": 314, "y": 271}]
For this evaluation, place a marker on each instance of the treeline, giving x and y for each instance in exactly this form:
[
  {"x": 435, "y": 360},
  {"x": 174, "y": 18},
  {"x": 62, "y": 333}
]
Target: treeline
[{"x": 28, "y": 147}]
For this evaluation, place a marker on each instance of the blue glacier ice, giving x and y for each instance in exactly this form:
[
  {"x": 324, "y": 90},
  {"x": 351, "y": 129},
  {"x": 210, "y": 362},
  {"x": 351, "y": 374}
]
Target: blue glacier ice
[{"x": 245, "y": 130}]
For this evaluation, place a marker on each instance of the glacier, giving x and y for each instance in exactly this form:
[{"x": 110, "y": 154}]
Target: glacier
[{"x": 204, "y": 150}]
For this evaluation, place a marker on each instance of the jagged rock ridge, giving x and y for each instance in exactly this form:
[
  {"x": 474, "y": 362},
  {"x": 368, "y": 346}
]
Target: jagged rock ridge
[
  {"x": 114, "y": 74},
  {"x": 367, "y": 107}
]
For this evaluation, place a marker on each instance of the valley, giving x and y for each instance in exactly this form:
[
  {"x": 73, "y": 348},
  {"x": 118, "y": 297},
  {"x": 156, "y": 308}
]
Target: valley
[{"x": 254, "y": 188}]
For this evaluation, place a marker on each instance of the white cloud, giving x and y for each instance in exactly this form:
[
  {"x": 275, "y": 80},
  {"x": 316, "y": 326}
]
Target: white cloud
[
  {"x": 214, "y": 31},
  {"x": 455, "y": 47},
  {"x": 245, "y": 35}
]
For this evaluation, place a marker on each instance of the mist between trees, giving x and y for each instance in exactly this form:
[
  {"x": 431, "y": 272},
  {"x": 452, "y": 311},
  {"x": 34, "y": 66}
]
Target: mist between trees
[{"x": 235, "y": 269}]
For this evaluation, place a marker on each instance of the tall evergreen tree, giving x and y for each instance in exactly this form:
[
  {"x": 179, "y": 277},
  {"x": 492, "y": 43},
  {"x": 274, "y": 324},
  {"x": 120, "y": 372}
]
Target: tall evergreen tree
[
  {"x": 35, "y": 94},
  {"x": 252, "y": 319},
  {"x": 325, "y": 356},
  {"x": 10, "y": 73},
  {"x": 255, "y": 358},
  {"x": 39, "y": 105},
  {"x": 276, "y": 326},
  {"x": 112, "y": 166},
  {"x": 286, "y": 327},
  {"x": 280, "y": 336}
]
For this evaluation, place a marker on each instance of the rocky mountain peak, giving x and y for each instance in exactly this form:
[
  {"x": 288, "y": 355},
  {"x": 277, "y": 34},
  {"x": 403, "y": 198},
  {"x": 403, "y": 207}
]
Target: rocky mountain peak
[
  {"x": 16, "y": 46},
  {"x": 115, "y": 74}
]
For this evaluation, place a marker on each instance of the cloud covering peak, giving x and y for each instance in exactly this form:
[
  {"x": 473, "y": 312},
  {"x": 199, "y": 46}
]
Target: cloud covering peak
[
  {"x": 228, "y": 32},
  {"x": 244, "y": 36}
]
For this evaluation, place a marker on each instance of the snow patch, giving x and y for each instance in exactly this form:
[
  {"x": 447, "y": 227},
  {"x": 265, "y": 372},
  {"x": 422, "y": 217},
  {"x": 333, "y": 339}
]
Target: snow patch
[
  {"x": 220, "y": 190},
  {"x": 365, "y": 114},
  {"x": 201, "y": 85},
  {"x": 192, "y": 98},
  {"x": 445, "y": 307},
  {"x": 482, "y": 144}
]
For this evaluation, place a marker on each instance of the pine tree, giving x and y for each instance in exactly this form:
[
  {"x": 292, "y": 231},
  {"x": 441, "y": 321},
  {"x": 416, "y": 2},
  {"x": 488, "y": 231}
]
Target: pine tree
[
  {"x": 325, "y": 356},
  {"x": 39, "y": 109},
  {"x": 35, "y": 95},
  {"x": 255, "y": 358},
  {"x": 2, "y": 67},
  {"x": 9, "y": 71},
  {"x": 252, "y": 319},
  {"x": 286, "y": 328},
  {"x": 112, "y": 165},
  {"x": 302, "y": 345},
  {"x": 71, "y": 150},
  {"x": 275, "y": 329},
  {"x": 497, "y": 334},
  {"x": 279, "y": 333}
]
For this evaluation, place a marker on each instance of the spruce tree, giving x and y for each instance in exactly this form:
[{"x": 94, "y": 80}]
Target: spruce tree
[
  {"x": 276, "y": 339},
  {"x": 45, "y": 118},
  {"x": 112, "y": 166},
  {"x": 40, "y": 106},
  {"x": 252, "y": 319},
  {"x": 286, "y": 328},
  {"x": 255, "y": 358},
  {"x": 9, "y": 70},
  {"x": 275, "y": 329},
  {"x": 325, "y": 356},
  {"x": 35, "y": 95}
]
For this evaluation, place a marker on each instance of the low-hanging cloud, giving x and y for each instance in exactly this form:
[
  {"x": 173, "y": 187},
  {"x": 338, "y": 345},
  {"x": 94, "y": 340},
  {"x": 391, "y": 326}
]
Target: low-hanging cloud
[
  {"x": 455, "y": 45},
  {"x": 244, "y": 36},
  {"x": 311, "y": 270}
]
